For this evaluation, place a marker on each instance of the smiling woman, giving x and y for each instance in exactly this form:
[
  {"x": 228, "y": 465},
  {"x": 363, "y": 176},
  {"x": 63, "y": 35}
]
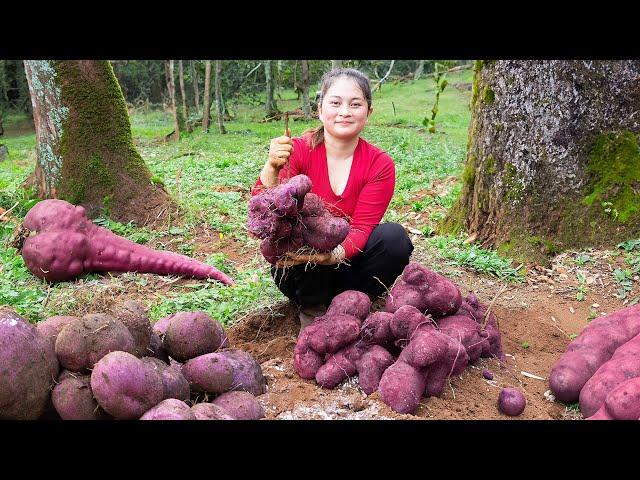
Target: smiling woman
[{"x": 355, "y": 180}]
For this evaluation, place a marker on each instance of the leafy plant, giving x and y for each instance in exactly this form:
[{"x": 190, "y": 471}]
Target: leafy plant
[
  {"x": 625, "y": 279},
  {"x": 441, "y": 84}
]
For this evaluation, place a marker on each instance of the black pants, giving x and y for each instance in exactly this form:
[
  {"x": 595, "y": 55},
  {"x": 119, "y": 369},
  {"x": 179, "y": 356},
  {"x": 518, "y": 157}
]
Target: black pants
[{"x": 384, "y": 257}]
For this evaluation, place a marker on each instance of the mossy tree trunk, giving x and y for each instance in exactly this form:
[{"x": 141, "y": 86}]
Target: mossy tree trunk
[
  {"x": 419, "y": 70},
  {"x": 306, "y": 105},
  {"x": 207, "y": 96},
  {"x": 219, "y": 100},
  {"x": 270, "y": 105},
  {"x": 196, "y": 91},
  {"x": 85, "y": 152},
  {"x": 553, "y": 160}
]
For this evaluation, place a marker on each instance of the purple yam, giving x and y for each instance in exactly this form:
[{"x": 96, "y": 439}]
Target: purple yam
[
  {"x": 86, "y": 340},
  {"x": 247, "y": 373},
  {"x": 487, "y": 374},
  {"x": 173, "y": 382},
  {"x": 169, "y": 409},
  {"x": 51, "y": 327},
  {"x": 155, "y": 348},
  {"x": 29, "y": 368},
  {"x": 402, "y": 386},
  {"x": 351, "y": 302},
  {"x": 240, "y": 405},
  {"x": 324, "y": 233},
  {"x": 191, "y": 334},
  {"x": 511, "y": 402},
  {"x": 73, "y": 399},
  {"x": 371, "y": 366},
  {"x": 209, "y": 411},
  {"x": 160, "y": 327},
  {"x": 376, "y": 329},
  {"x": 212, "y": 373},
  {"x": 133, "y": 316},
  {"x": 313, "y": 206},
  {"x": 125, "y": 386}
]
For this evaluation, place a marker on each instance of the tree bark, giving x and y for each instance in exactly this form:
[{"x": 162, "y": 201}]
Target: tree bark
[
  {"x": 418, "y": 73},
  {"x": 306, "y": 105},
  {"x": 207, "y": 96},
  {"x": 85, "y": 153},
  {"x": 553, "y": 160},
  {"x": 171, "y": 87},
  {"x": 271, "y": 108},
  {"x": 219, "y": 101},
  {"x": 196, "y": 91},
  {"x": 185, "y": 108},
  {"x": 336, "y": 64}
]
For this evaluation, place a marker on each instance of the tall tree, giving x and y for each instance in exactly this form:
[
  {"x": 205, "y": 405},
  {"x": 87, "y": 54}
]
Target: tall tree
[
  {"x": 306, "y": 106},
  {"x": 185, "y": 107},
  {"x": 219, "y": 100},
  {"x": 85, "y": 153},
  {"x": 171, "y": 88},
  {"x": 553, "y": 158},
  {"x": 270, "y": 105},
  {"x": 207, "y": 96},
  {"x": 196, "y": 91},
  {"x": 336, "y": 64},
  {"x": 419, "y": 70}
]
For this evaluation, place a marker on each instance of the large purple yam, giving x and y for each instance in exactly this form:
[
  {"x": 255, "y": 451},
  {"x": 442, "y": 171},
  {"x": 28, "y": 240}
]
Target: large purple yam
[
  {"x": 191, "y": 334},
  {"x": 73, "y": 399},
  {"x": 240, "y": 405},
  {"x": 211, "y": 372},
  {"x": 170, "y": 409},
  {"x": 173, "y": 382}
]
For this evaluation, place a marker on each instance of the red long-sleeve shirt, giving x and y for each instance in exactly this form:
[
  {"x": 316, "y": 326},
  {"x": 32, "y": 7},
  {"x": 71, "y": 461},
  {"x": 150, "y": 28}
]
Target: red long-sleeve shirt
[{"x": 365, "y": 197}]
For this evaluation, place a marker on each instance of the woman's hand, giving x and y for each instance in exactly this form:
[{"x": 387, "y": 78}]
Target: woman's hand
[
  {"x": 329, "y": 258},
  {"x": 279, "y": 152}
]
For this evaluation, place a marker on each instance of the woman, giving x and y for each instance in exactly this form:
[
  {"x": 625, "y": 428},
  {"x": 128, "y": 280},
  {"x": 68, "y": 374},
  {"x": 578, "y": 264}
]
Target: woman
[{"x": 356, "y": 181}]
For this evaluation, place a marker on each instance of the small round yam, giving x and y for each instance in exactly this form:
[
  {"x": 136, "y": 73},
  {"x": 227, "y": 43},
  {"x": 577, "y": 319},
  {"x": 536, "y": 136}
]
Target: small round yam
[
  {"x": 240, "y": 405},
  {"x": 209, "y": 411},
  {"x": 191, "y": 334},
  {"x": 51, "y": 327},
  {"x": 125, "y": 386},
  {"x": 247, "y": 373},
  {"x": 73, "y": 399},
  {"x": 170, "y": 409},
  {"x": 28, "y": 369},
  {"x": 174, "y": 383},
  {"x": 86, "y": 340},
  {"x": 487, "y": 374},
  {"x": 133, "y": 316},
  {"x": 212, "y": 373},
  {"x": 511, "y": 401}
]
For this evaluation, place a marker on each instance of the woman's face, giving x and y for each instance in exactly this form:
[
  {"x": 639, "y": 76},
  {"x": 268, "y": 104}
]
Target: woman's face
[{"x": 344, "y": 110}]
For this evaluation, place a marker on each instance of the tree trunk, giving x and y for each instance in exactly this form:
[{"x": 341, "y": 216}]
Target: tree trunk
[
  {"x": 306, "y": 105},
  {"x": 85, "y": 153},
  {"x": 270, "y": 106},
  {"x": 196, "y": 91},
  {"x": 219, "y": 104},
  {"x": 336, "y": 64},
  {"x": 553, "y": 159},
  {"x": 185, "y": 108},
  {"x": 418, "y": 73},
  {"x": 171, "y": 87},
  {"x": 207, "y": 96}
]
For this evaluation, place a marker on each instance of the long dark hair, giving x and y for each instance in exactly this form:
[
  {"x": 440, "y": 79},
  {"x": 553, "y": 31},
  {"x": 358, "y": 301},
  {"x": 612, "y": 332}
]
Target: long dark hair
[{"x": 328, "y": 79}]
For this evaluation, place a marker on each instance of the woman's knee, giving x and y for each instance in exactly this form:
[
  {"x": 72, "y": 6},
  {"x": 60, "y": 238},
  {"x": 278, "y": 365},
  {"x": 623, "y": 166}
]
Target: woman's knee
[{"x": 395, "y": 240}]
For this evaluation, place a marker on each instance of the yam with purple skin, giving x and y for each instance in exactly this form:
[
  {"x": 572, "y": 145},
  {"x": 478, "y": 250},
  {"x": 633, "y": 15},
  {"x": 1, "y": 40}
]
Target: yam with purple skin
[
  {"x": 324, "y": 233},
  {"x": 67, "y": 244},
  {"x": 212, "y": 373},
  {"x": 73, "y": 399},
  {"x": 240, "y": 405},
  {"x": 376, "y": 329},
  {"x": 623, "y": 365},
  {"x": 261, "y": 214},
  {"x": 428, "y": 291},
  {"x": 273, "y": 251},
  {"x": 51, "y": 327},
  {"x": 191, "y": 334},
  {"x": 160, "y": 327},
  {"x": 371, "y": 366},
  {"x": 173, "y": 382},
  {"x": 330, "y": 333},
  {"x": 246, "y": 372},
  {"x": 133, "y": 316},
  {"x": 86, "y": 340},
  {"x": 422, "y": 368},
  {"x": 29, "y": 368},
  {"x": 169, "y": 409},
  {"x": 511, "y": 401},
  {"x": 209, "y": 411},
  {"x": 621, "y": 403},
  {"x": 313, "y": 206},
  {"x": 350, "y": 302},
  {"x": 306, "y": 361},
  {"x": 339, "y": 366},
  {"x": 487, "y": 374},
  {"x": 467, "y": 331},
  {"x": 477, "y": 311},
  {"x": 125, "y": 386},
  {"x": 590, "y": 349},
  {"x": 404, "y": 322}
]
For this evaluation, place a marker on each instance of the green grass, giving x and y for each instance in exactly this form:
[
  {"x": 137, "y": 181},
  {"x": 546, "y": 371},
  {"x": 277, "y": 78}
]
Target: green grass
[{"x": 211, "y": 174}]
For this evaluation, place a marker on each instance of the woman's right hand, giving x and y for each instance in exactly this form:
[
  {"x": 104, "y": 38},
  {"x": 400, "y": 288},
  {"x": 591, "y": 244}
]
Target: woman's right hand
[{"x": 279, "y": 152}]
